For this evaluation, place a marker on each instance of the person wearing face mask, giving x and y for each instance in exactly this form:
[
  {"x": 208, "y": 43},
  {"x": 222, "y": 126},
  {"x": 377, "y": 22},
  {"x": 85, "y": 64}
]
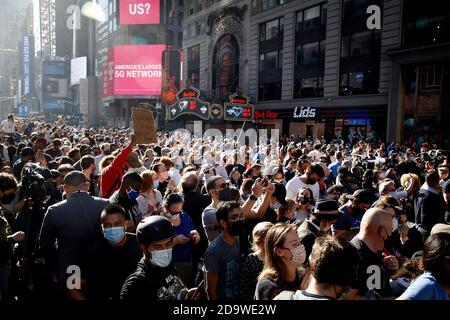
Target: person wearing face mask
[
  {"x": 283, "y": 263},
  {"x": 155, "y": 277},
  {"x": 165, "y": 182},
  {"x": 186, "y": 236},
  {"x": 172, "y": 169},
  {"x": 127, "y": 196},
  {"x": 309, "y": 179},
  {"x": 150, "y": 199},
  {"x": 319, "y": 223},
  {"x": 352, "y": 212},
  {"x": 75, "y": 225},
  {"x": 118, "y": 248},
  {"x": 236, "y": 178},
  {"x": 333, "y": 265},
  {"x": 218, "y": 191},
  {"x": 376, "y": 227},
  {"x": 8, "y": 186},
  {"x": 305, "y": 204},
  {"x": 222, "y": 258},
  {"x": 286, "y": 213}
]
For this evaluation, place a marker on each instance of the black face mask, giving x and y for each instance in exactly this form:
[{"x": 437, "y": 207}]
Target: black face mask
[
  {"x": 310, "y": 181},
  {"x": 224, "y": 195},
  {"x": 358, "y": 211},
  {"x": 237, "y": 228},
  {"x": 7, "y": 199},
  {"x": 303, "y": 199}
]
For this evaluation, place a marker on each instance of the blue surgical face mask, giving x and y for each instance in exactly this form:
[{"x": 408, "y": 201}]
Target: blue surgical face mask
[
  {"x": 161, "y": 258},
  {"x": 133, "y": 194},
  {"x": 114, "y": 235},
  {"x": 180, "y": 166},
  {"x": 155, "y": 184}
]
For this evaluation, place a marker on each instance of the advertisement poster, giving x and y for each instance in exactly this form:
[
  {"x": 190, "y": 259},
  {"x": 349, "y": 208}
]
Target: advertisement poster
[
  {"x": 134, "y": 70},
  {"x": 139, "y": 12}
]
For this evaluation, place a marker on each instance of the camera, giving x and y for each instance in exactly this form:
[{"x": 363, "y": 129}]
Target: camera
[{"x": 36, "y": 183}]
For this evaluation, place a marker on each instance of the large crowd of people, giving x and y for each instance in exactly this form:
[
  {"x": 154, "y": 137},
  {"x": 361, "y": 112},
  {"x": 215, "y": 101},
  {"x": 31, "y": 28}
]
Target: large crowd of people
[{"x": 89, "y": 214}]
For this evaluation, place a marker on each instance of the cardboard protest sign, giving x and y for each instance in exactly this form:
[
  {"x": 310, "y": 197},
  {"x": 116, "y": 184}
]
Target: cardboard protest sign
[{"x": 144, "y": 126}]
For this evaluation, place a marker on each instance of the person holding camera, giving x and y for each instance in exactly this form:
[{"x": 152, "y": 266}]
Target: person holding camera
[{"x": 185, "y": 236}]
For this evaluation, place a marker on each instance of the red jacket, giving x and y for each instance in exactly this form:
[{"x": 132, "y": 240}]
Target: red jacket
[{"x": 111, "y": 176}]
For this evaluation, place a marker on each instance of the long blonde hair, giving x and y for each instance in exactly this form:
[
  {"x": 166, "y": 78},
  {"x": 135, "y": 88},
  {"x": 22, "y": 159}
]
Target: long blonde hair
[
  {"x": 258, "y": 235},
  {"x": 272, "y": 263}
]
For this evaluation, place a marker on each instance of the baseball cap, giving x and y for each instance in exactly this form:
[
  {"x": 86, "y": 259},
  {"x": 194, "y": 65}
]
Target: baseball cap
[
  {"x": 440, "y": 227},
  {"x": 362, "y": 195}
]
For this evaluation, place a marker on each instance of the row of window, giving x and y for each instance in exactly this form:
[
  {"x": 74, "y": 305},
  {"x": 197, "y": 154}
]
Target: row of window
[{"x": 352, "y": 83}]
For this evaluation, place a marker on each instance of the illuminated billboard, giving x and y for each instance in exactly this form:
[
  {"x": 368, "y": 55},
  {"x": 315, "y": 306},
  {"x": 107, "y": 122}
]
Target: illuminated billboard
[
  {"x": 134, "y": 70},
  {"x": 139, "y": 12}
]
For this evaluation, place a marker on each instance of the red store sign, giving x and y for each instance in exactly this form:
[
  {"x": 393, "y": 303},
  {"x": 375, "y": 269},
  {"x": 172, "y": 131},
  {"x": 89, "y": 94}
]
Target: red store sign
[{"x": 266, "y": 115}]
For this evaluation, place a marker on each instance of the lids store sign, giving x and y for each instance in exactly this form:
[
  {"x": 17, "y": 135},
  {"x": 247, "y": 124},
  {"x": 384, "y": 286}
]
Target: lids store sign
[{"x": 304, "y": 112}]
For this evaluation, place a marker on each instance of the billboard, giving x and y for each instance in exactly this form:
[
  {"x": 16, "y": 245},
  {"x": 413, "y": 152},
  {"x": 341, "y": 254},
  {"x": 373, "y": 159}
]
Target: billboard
[
  {"x": 26, "y": 65},
  {"x": 78, "y": 70},
  {"x": 55, "y": 84},
  {"x": 134, "y": 70},
  {"x": 139, "y": 12}
]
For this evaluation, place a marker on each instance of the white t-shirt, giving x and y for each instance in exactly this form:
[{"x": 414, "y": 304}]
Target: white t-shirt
[
  {"x": 295, "y": 184},
  {"x": 8, "y": 126},
  {"x": 315, "y": 155}
]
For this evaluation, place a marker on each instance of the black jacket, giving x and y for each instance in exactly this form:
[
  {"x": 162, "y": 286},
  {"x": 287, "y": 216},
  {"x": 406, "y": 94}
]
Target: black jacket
[
  {"x": 430, "y": 209},
  {"x": 149, "y": 283}
]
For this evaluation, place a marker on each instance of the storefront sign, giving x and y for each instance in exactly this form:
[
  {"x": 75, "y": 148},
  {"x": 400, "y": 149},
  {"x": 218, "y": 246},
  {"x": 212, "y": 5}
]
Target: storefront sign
[
  {"x": 266, "y": 115},
  {"x": 304, "y": 112},
  {"x": 238, "y": 109},
  {"x": 188, "y": 103}
]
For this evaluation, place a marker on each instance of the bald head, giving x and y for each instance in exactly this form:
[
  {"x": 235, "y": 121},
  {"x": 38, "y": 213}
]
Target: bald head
[{"x": 376, "y": 227}]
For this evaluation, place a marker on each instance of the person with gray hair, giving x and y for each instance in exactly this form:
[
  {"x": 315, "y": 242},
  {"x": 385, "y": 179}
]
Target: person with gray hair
[{"x": 74, "y": 224}]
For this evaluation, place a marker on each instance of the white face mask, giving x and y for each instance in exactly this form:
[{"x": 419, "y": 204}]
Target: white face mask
[{"x": 161, "y": 258}]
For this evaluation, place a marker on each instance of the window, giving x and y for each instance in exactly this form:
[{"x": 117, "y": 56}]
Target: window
[
  {"x": 194, "y": 65},
  {"x": 271, "y": 29},
  {"x": 362, "y": 82},
  {"x": 357, "y": 8},
  {"x": 270, "y": 61},
  {"x": 308, "y": 88},
  {"x": 430, "y": 78},
  {"x": 299, "y": 25},
  {"x": 311, "y": 18},
  {"x": 110, "y": 10},
  {"x": 265, "y": 4},
  {"x": 310, "y": 53},
  {"x": 269, "y": 91},
  {"x": 360, "y": 43}
]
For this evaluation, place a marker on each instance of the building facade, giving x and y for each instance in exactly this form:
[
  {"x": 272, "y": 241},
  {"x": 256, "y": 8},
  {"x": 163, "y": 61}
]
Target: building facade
[{"x": 324, "y": 68}]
